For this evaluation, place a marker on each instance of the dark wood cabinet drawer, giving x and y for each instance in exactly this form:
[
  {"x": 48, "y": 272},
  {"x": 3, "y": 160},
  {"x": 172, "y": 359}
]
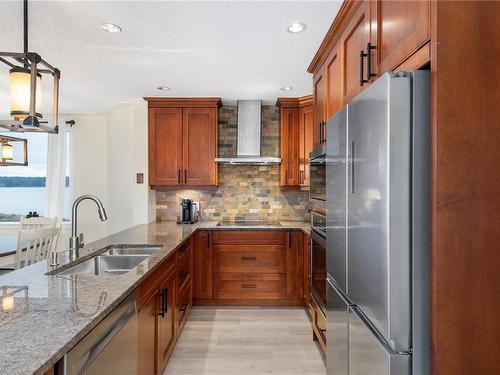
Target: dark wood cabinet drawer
[
  {"x": 248, "y": 259},
  {"x": 248, "y": 237},
  {"x": 184, "y": 250},
  {"x": 249, "y": 286},
  {"x": 152, "y": 283},
  {"x": 184, "y": 272},
  {"x": 183, "y": 304}
]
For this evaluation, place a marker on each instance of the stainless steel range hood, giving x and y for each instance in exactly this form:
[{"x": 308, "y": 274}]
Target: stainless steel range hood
[{"x": 249, "y": 136}]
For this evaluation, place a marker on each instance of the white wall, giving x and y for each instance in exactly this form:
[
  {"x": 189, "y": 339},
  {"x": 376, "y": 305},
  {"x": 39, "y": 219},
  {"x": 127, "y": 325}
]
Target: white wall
[
  {"x": 117, "y": 142},
  {"x": 89, "y": 172}
]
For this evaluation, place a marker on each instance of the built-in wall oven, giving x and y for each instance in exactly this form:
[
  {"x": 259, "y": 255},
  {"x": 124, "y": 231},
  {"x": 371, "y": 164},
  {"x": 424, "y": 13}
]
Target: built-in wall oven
[{"x": 317, "y": 170}]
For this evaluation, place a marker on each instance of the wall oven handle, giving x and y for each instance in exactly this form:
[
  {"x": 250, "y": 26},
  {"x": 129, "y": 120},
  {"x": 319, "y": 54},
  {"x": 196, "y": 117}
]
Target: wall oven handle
[{"x": 318, "y": 238}]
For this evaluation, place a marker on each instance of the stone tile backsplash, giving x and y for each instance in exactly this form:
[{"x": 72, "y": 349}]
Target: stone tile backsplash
[{"x": 245, "y": 191}]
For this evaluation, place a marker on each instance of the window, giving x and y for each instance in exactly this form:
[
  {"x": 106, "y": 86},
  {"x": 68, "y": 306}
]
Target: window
[{"x": 22, "y": 189}]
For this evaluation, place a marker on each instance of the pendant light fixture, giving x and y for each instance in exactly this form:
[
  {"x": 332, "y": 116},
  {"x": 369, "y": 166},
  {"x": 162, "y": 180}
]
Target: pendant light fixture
[
  {"x": 13, "y": 151},
  {"x": 26, "y": 70}
]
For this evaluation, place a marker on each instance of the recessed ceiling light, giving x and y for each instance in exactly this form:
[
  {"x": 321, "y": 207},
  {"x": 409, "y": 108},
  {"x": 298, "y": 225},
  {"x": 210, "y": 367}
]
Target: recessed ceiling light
[
  {"x": 296, "y": 27},
  {"x": 286, "y": 88},
  {"x": 163, "y": 88},
  {"x": 111, "y": 28}
]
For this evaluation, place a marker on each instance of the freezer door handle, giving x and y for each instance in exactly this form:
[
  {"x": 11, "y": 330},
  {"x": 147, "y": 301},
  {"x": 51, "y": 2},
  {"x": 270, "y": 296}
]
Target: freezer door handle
[
  {"x": 380, "y": 338},
  {"x": 339, "y": 291}
]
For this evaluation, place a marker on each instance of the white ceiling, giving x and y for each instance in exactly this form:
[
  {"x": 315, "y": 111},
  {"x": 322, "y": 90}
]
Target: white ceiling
[{"x": 235, "y": 50}]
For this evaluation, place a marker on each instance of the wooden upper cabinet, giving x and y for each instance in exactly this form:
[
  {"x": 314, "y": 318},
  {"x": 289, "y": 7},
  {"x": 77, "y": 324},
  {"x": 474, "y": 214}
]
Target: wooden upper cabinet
[
  {"x": 199, "y": 146},
  {"x": 319, "y": 111},
  {"x": 306, "y": 144},
  {"x": 354, "y": 40},
  {"x": 183, "y": 141},
  {"x": 296, "y": 141},
  {"x": 402, "y": 27},
  {"x": 333, "y": 82},
  {"x": 165, "y": 146},
  {"x": 290, "y": 147}
]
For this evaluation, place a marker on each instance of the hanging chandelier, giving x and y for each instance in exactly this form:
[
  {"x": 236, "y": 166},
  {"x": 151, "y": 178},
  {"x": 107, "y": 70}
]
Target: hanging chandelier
[{"x": 26, "y": 70}]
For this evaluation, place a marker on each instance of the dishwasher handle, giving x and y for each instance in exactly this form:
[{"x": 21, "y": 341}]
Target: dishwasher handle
[{"x": 104, "y": 339}]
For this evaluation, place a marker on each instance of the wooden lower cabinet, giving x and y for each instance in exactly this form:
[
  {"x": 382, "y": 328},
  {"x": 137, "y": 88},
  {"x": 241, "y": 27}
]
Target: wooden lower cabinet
[
  {"x": 319, "y": 324},
  {"x": 294, "y": 265},
  {"x": 165, "y": 299},
  {"x": 202, "y": 265},
  {"x": 166, "y": 328},
  {"x": 249, "y": 267}
]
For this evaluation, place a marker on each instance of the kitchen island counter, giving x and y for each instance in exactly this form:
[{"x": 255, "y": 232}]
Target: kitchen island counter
[{"x": 49, "y": 314}]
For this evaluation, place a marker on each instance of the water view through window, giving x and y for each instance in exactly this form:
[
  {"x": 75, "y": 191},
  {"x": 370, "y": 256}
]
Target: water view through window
[{"x": 22, "y": 189}]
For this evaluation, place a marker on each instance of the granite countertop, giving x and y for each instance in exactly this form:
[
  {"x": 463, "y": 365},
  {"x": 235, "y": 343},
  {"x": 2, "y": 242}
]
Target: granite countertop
[{"x": 50, "y": 313}]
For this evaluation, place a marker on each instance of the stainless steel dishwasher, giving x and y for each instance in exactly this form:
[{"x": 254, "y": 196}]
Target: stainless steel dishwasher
[{"x": 111, "y": 347}]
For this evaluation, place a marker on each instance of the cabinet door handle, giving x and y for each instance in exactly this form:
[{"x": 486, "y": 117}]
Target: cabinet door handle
[
  {"x": 185, "y": 176},
  {"x": 248, "y": 258},
  {"x": 362, "y": 56},
  {"x": 289, "y": 240},
  {"x": 248, "y": 286},
  {"x": 301, "y": 172},
  {"x": 165, "y": 300},
  {"x": 324, "y": 131},
  {"x": 286, "y": 177},
  {"x": 162, "y": 304},
  {"x": 321, "y": 131},
  {"x": 369, "y": 48}
]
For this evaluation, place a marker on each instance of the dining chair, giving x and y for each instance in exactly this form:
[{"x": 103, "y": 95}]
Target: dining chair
[
  {"x": 31, "y": 223},
  {"x": 34, "y": 245}
]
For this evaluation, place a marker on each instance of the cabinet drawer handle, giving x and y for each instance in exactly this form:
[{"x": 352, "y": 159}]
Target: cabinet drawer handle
[
  {"x": 248, "y": 286},
  {"x": 248, "y": 258}
]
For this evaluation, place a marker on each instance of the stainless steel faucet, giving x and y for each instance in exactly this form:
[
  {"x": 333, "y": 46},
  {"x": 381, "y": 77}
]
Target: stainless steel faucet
[{"x": 76, "y": 240}]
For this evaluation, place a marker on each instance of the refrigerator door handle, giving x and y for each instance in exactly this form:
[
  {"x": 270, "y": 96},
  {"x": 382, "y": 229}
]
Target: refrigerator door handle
[
  {"x": 380, "y": 338},
  {"x": 353, "y": 170}
]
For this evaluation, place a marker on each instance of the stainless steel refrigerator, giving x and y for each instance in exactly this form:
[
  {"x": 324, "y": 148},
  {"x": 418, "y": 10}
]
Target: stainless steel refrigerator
[{"x": 378, "y": 230}]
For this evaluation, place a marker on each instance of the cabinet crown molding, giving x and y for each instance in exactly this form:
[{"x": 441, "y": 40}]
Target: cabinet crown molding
[
  {"x": 333, "y": 34},
  {"x": 302, "y": 101},
  {"x": 162, "y": 102}
]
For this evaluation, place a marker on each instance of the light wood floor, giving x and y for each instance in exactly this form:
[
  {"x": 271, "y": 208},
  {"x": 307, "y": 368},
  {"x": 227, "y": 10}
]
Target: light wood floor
[{"x": 226, "y": 341}]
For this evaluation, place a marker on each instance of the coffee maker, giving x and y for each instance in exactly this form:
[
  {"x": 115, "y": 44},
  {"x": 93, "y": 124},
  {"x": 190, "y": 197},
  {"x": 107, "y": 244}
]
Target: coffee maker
[{"x": 189, "y": 212}]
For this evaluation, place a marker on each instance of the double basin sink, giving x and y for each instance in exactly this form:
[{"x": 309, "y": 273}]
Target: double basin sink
[{"x": 112, "y": 261}]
